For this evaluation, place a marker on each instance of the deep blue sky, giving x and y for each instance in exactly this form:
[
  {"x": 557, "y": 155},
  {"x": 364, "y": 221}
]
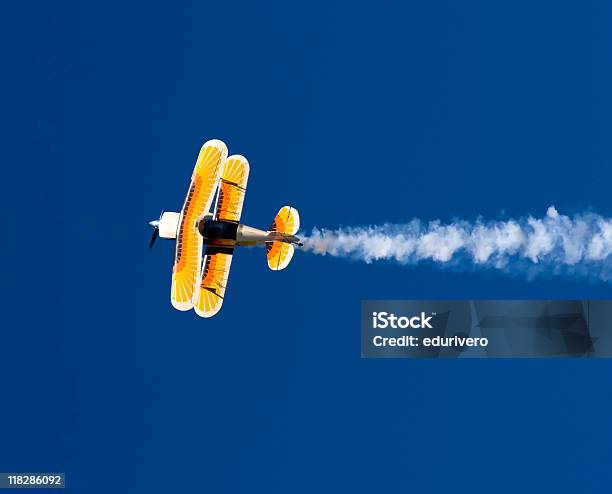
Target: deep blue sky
[{"x": 354, "y": 114}]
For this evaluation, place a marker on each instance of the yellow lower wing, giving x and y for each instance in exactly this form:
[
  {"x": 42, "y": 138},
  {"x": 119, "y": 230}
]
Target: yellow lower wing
[
  {"x": 215, "y": 272},
  {"x": 204, "y": 183}
]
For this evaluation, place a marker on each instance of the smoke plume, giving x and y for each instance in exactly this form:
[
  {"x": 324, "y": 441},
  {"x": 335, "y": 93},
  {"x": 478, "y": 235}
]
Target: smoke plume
[{"x": 554, "y": 244}]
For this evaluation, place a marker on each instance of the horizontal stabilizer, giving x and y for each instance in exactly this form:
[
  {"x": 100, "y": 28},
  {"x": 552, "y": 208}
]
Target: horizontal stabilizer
[
  {"x": 286, "y": 221},
  {"x": 279, "y": 255}
]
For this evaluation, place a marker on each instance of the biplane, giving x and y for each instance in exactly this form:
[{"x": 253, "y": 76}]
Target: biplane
[{"x": 206, "y": 239}]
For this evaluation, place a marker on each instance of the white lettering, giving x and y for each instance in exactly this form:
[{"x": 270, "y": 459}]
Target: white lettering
[{"x": 382, "y": 320}]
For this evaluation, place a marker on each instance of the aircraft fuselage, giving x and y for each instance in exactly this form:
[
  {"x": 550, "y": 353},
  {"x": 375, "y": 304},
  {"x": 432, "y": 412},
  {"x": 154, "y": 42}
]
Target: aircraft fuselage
[
  {"x": 222, "y": 233},
  {"x": 230, "y": 233}
]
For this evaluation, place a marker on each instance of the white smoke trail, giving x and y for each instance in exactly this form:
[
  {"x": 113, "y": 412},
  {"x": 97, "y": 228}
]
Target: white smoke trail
[{"x": 555, "y": 244}]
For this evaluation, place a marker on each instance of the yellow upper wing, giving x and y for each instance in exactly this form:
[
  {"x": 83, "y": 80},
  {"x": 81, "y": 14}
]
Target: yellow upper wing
[
  {"x": 204, "y": 182},
  {"x": 211, "y": 290},
  {"x": 232, "y": 188}
]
